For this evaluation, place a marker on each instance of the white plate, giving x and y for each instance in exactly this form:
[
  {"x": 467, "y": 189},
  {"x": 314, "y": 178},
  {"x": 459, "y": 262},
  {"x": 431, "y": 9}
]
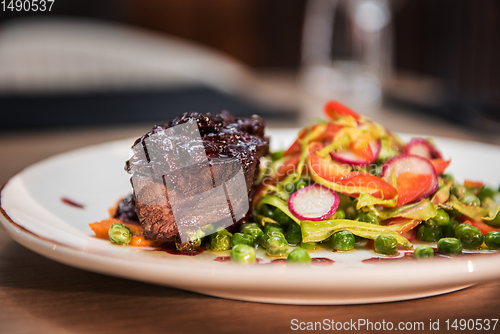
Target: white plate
[{"x": 34, "y": 215}]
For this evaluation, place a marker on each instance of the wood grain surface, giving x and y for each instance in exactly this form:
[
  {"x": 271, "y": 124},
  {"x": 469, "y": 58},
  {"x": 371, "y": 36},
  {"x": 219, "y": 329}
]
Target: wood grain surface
[{"x": 38, "y": 295}]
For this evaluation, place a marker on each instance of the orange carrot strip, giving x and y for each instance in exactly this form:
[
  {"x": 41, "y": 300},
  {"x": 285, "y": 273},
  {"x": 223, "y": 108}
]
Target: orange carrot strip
[
  {"x": 140, "y": 241},
  {"x": 473, "y": 184},
  {"x": 101, "y": 228},
  {"x": 485, "y": 229},
  {"x": 411, "y": 185},
  {"x": 334, "y": 110},
  {"x": 440, "y": 165}
]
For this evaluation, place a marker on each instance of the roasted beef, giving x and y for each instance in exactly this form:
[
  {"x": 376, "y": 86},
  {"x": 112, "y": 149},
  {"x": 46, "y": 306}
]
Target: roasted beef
[
  {"x": 225, "y": 138},
  {"x": 126, "y": 210}
]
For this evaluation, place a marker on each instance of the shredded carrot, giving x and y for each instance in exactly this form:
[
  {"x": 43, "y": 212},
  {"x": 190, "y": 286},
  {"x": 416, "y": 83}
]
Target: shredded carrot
[
  {"x": 407, "y": 227},
  {"x": 473, "y": 184},
  {"x": 334, "y": 110},
  {"x": 289, "y": 165},
  {"x": 485, "y": 229},
  {"x": 440, "y": 165},
  {"x": 140, "y": 241},
  {"x": 101, "y": 228},
  {"x": 411, "y": 185},
  {"x": 410, "y": 226}
]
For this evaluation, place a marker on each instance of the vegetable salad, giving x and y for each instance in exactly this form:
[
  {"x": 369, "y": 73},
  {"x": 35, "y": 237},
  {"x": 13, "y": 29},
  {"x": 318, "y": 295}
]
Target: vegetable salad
[{"x": 348, "y": 179}]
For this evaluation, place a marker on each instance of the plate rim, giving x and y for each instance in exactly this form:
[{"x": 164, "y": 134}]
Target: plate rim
[{"x": 48, "y": 243}]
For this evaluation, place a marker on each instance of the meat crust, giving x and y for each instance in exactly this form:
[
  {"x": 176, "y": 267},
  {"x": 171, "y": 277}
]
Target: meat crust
[{"x": 225, "y": 138}]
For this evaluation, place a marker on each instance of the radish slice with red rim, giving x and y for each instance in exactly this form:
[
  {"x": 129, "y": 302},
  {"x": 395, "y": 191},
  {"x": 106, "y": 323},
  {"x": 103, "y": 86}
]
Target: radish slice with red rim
[
  {"x": 411, "y": 234},
  {"x": 414, "y": 164},
  {"x": 314, "y": 203},
  {"x": 348, "y": 157},
  {"x": 422, "y": 148}
]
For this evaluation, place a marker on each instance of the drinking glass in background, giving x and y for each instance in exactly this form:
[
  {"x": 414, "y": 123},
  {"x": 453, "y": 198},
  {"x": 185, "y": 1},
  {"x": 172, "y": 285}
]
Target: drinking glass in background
[{"x": 346, "y": 53}]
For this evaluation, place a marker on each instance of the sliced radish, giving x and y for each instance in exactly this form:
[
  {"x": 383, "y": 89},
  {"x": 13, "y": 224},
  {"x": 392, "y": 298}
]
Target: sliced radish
[
  {"x": 410, "y": 235},
  {"x": 349, "y": 157},
  {"x": 416, "y": 177},
  {"x": 422, "y": 148},
  {"x": 314, "y": 203}
]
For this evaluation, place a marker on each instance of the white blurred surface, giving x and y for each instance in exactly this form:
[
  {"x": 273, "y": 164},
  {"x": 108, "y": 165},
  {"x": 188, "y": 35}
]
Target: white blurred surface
[{"x": 49, "y": 55}]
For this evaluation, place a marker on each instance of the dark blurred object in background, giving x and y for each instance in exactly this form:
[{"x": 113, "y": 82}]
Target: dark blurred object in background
[
  {"x": 61, "y": 70},
  {"x": 451, "y": 49},
  {"x": 445, "y": 52},
  {"x": 260, "y": 33}
]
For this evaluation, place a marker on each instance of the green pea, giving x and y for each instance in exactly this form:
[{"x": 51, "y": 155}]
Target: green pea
[
  {"x": 448, "y": 177},
  {"x": 282, "y": 218},
  {"x": 299, "y": 184},
  {"x": 276, "y": 246},
  {"x": 470, "y": 236},
  {"x": 271, "y": 226},
  {"x": 458, "y": 190},
  {"x": 277, "y": 155},
  {"x": 268, "y": 235},
  {"x": 487, "y": 192},
  {"x": 386, "y": 244},
  {"x": 449, "y": 246},
  {"x": 449, "y": 229},
  {"x": 120, "y": 234},
  {"x": 440, "y": 219},
  {"x": 198, "y": 234},
  {"x": 441, "y": 183},
  {"x": 267, "y": 211},
  {"x": 188, "y": 246},
  {"x": 429, "y": 233},
  {"x": 254, "y": 230},
  {"x": 289, "y": 187},
  {"x": 220, "y": 241},
  {"x": 342, "y": 241},
  {"x": 208, "y": 229},
  {"x": 369, "y": 217},
  {"x": 492, "y": 240},
  {"x": 423, "y": 252},
  {"x": 339, "y": 214},
  {"x": 299, "y": 255},
  {"x": 293, "y": 234},
  {"x": 243, "y": 254},
  {"x": 244, "y": 227},
  {"x": 470, "y": 199},
  {"x": 459, "y": 227},
  {"x": 240, "y": 238},
  {"x": 308, "y": 245}
]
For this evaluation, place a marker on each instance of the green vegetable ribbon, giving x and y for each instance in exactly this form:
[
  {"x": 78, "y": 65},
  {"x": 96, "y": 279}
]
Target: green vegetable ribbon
[{"x": 321, "y": 230}]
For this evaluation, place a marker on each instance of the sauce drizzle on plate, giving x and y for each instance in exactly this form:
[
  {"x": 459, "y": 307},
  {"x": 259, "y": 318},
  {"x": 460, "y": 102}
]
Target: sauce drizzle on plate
[{"x": 72, "y": 203}]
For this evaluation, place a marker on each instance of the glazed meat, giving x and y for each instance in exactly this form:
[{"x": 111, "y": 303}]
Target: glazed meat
[
  {"x": 226, "y": 140},
  {"x": 126, "y": 210}
]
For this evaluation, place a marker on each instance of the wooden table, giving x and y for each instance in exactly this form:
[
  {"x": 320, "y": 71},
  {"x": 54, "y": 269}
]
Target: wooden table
[{"x": 38, "y": 295}]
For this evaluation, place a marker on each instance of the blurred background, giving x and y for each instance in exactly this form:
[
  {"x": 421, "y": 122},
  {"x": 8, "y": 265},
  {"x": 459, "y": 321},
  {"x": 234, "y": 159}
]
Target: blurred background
[
  {"x": 107, "y": 69},
  {"x": 107, "y": 61}
]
